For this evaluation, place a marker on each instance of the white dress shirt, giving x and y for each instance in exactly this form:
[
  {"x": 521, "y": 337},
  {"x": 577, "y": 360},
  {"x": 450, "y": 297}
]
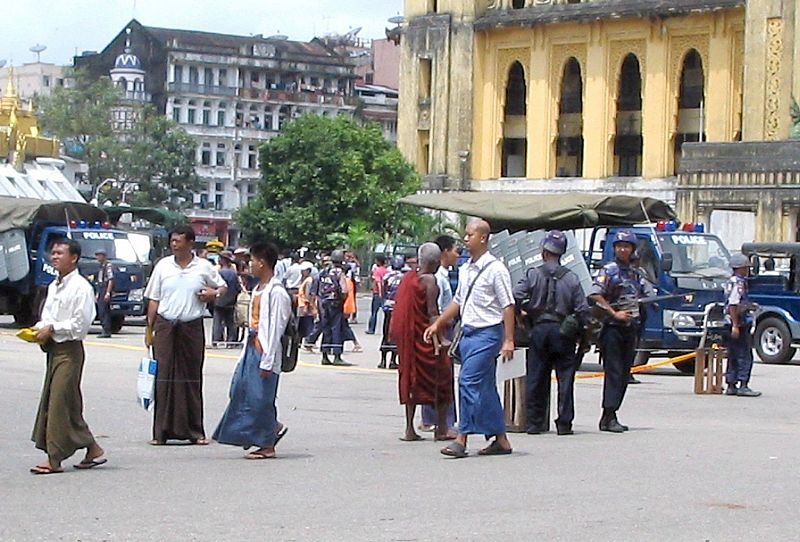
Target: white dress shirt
[
  {"x": 293, "y": 276},
  {"x": 176, "y": 288},
  {"x": 490, "y": 296},
  {"x": 274, "y": 311},
  {"x": 69, "y": 308}
]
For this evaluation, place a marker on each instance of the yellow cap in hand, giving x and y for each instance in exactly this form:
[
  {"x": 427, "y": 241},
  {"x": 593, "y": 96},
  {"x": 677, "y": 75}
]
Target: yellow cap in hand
[{"x": 27, "y": 334}]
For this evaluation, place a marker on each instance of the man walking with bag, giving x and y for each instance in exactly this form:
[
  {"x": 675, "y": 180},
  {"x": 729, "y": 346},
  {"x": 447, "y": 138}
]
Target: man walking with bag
[
  {"x": 549, "y": 294},
  {"x": 486, "y": 305},
  {"x": 68, "y": 312}
]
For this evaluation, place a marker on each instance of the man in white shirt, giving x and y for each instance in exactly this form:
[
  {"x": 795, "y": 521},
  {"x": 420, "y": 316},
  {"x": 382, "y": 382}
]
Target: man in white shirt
[
  {"x": 178, "y": 290},
  {"x": 68, "y": 312},
  {"x": 486, "y": 304}
]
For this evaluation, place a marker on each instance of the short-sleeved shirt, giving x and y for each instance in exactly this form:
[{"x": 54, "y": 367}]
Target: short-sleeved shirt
[
  {"x": 445, "y": 293},
  {"x": 622, "y": 286},
  {"x": 228, "y": 299},
  {"x": 378, "y": 272},
  {"x": 736, "y": 294},
  {"x": 176, "y": 288},
  {"x": 104, "y": 274},
  {"x": 490, "y": 295}
]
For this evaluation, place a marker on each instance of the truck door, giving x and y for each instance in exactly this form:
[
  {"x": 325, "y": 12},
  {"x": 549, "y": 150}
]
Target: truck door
[{"x": 650, "y": 269}]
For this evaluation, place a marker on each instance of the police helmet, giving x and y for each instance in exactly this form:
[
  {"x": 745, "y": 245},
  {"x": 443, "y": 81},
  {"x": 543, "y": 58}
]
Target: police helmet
[
  {"x": 555, "y": 242},
  {"x": 739, "y": 260},
  {"x": 625, "y": 236},
  {"x": 398, "y": 262},
  {"x": 337, "y": 256}
]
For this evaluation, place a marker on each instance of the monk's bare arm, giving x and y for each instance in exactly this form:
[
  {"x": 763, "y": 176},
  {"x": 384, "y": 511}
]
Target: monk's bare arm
[
  {"x": 447, "y": 316},
  {"x": 431, "y": 296}
]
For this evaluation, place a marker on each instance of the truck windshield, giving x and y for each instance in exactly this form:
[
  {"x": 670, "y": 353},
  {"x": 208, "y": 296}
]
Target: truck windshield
[
  {"x": 696, "y": 254},
  {"x": 116, "y": 245}
]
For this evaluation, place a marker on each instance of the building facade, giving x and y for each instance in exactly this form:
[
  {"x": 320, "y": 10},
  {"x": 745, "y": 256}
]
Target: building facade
[
  {"x": 554, "y": 95},
  {"x": 230, "y": 93},
  {"x": 34, "y": 79}
]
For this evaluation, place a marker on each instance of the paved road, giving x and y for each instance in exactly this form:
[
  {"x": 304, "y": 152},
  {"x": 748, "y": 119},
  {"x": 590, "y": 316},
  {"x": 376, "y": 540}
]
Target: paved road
[{"x": 691, "y": 468}]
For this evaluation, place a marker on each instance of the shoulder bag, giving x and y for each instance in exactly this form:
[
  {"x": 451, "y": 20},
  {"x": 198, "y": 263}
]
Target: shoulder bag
[{"x": 453, "y": 351}]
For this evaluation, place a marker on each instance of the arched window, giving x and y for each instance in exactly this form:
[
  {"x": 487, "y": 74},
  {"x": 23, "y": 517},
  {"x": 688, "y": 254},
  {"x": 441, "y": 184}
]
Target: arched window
[
  {"x": 206, "y": 113},
  {"x": 691, "y": 104},
  {"x": 221, "y": 113},
  {"x": 176, "y": 110},
  {"x": 191, "y": 112},
  {"x": 628, "y": 136},
  {"x": 515, "y": 143},
  {"x": 569, "y": 145},
  {"x": 122, "y": 83}
]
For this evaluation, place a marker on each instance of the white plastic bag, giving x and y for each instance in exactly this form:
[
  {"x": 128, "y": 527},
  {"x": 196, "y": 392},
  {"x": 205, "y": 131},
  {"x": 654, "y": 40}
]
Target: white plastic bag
[{"x": 146, "y": 382}]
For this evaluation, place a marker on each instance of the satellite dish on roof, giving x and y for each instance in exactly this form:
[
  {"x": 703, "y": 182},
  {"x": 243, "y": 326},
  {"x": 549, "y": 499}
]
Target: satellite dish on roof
[
  {"x": 278, "y": 37},
  {"x": 38, "y": 50},
  {"x": 397, "y": 19}
]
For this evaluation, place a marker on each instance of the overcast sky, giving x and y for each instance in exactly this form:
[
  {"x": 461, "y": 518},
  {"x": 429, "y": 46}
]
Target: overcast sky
[{"x": 65, "y": 26}]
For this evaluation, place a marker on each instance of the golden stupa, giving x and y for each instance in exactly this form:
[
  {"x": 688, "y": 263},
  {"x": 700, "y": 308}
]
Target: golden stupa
[{"x": 20, "y": 139}]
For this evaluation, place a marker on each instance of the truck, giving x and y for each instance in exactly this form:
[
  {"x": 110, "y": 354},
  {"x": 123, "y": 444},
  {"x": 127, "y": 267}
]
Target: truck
[
  {"x": 681, "y": 261},
  {"x": 776, "y": 290},
  {"x": 27, "y": 229}
]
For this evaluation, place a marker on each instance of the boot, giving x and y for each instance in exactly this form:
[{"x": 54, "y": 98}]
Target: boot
[
  {"x": 745, "y": 391},
  {"x": 382, "y": 364},
  {"x": 609, "y": 423},
  {"x": 731, "y": 389},
  {"x": 325, "y": 359},
  {"x": 393, "y": 362}
]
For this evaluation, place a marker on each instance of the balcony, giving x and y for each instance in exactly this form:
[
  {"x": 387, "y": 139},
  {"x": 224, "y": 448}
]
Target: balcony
[
  {"x": 283, "y": 96},
  {"x": 206, "y": 90}
]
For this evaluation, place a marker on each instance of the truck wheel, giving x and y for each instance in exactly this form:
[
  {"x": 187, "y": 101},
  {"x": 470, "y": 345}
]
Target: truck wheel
[
  {"x": 116, "y": 323},
  {"x": 24, "y": 316},
  {"x": 686, "y": 367},
  {"x": 642, "y": 357},
  {"x": 773, "y": 341}
]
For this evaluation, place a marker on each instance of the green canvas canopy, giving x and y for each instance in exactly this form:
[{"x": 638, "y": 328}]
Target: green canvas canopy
[
  {"x": 163, "y": 217},
  {"x": 525, "y": 211},
  {"x": 19, "y": 213}
]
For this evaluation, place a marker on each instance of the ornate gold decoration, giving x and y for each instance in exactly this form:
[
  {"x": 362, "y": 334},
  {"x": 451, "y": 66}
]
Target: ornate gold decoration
[{"x": 773, "y": 78}]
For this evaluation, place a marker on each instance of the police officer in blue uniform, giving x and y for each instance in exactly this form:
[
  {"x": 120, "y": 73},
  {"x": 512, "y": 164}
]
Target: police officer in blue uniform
[
  {"x": 617, "y": 290},
  {"x": 738, "y": 337},
  {"x": 549, "y": 294}
]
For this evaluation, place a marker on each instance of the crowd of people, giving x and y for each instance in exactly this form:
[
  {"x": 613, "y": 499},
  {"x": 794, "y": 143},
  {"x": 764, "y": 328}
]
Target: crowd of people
[{"x": 427, "y": 325}]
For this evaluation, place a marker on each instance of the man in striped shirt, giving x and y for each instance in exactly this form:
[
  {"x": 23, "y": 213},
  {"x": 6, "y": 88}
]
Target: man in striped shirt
[{"x": 485, "y": 302}]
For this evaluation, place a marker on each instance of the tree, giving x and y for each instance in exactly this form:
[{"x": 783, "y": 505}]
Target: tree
[
  {"x": 325, "y": 176},
  {"x": 151, "y": 153}
]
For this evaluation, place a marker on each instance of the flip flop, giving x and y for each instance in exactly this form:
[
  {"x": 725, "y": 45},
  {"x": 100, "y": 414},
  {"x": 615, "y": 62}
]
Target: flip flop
[
  {"x": 280, "y": 434},
  {"x": 455, "y": 449},
  {"x": 415, "y": 438},
  {"x": 45, "y": 470},
  {"x": 255, "y": 456},
  {"x": 200, "y": 441},
  {"x": 495, "y": 449},
  {"x": 91, "y": 463},
  {"x": 358, "y": 348}
]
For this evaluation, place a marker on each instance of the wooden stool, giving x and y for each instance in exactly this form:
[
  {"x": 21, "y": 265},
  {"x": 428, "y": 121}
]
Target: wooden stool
[
  {"x": 708, "y": 370},
  {"x": 514, "y": 404}
]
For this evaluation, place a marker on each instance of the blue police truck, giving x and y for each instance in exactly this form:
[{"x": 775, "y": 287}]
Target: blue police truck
[
  {"x": 775, "y": 285},
  {"x": 677, "y": 260},
  {"x": 27, "y": 230}
]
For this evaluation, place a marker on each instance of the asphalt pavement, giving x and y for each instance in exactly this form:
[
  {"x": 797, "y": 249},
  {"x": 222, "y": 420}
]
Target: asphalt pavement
[{"x": 691, "y": 467}]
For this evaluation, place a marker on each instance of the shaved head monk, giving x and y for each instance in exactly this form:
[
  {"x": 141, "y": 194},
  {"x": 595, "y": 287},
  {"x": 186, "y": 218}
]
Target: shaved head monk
[{"x": 425, "y": 373}]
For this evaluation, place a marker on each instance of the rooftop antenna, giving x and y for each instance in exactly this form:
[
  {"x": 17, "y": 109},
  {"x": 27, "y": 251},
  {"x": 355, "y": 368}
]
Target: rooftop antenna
[{"x": 38, "y": 48}]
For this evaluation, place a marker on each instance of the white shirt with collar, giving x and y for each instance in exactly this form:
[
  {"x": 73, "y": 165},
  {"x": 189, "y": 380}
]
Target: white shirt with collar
[
  {"x": 176, "y": 288},
  {"x": 69, "y": 308},
  {"x": 445, "y": 292},
  {"x": 490, "y": 296},
  {"x": 293, "y": 276},
  {"x": 274, "y": 312}
]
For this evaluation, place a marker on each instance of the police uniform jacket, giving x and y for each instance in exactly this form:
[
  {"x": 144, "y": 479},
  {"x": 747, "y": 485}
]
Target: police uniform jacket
[{"x": 622, "y": 286}]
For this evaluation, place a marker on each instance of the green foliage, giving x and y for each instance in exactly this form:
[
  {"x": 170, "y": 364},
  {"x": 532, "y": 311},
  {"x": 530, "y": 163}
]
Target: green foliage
[
  {"x": 794, "y": 111},
  {"x": 153, "y": 152},
  {"x": 330, "y": 181}
]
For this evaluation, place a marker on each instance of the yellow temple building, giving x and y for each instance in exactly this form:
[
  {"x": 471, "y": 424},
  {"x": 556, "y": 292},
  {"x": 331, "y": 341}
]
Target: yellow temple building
[
  {"x": 19, "y": 131},
  {"x": 558, "y": 95}
]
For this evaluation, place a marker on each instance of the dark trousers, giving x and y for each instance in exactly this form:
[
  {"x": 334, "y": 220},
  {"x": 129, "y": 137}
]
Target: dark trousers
[
  {"x": 224, "y": 325},
  {"x": 740, "y": 356},
  {"x": 104, "y": 314},
  {"x": 618, "y": 344},
  {"x": 375, "y": 308},
  {"x": 549, "y": 350},
  {"x": 331, "y": 320}
]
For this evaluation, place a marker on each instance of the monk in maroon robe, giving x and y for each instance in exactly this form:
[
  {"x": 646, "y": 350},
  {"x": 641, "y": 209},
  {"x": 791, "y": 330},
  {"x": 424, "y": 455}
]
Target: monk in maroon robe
[{"x": 425, "y": 372}]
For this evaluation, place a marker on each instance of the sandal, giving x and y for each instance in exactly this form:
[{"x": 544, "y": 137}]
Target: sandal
[
  {"x": 358, "y": 348},
  {"x": 455, "y": 449},
  {"x": 260, "y": 454},
  {"x": 43, "y": 469},
  {"x": 495, "y": 449},
  {"x": 280, "y": 434}
]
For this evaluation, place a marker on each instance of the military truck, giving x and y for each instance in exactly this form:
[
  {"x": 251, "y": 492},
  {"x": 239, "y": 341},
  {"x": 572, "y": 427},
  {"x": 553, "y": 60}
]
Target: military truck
[{"x": 28, "y": 228}]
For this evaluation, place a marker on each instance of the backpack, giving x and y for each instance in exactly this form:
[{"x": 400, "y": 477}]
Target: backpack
[
  {"x": 391, "y": 285},
  {"x": 290, "y": 339},
  {"x": 330, "y": 288}
]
